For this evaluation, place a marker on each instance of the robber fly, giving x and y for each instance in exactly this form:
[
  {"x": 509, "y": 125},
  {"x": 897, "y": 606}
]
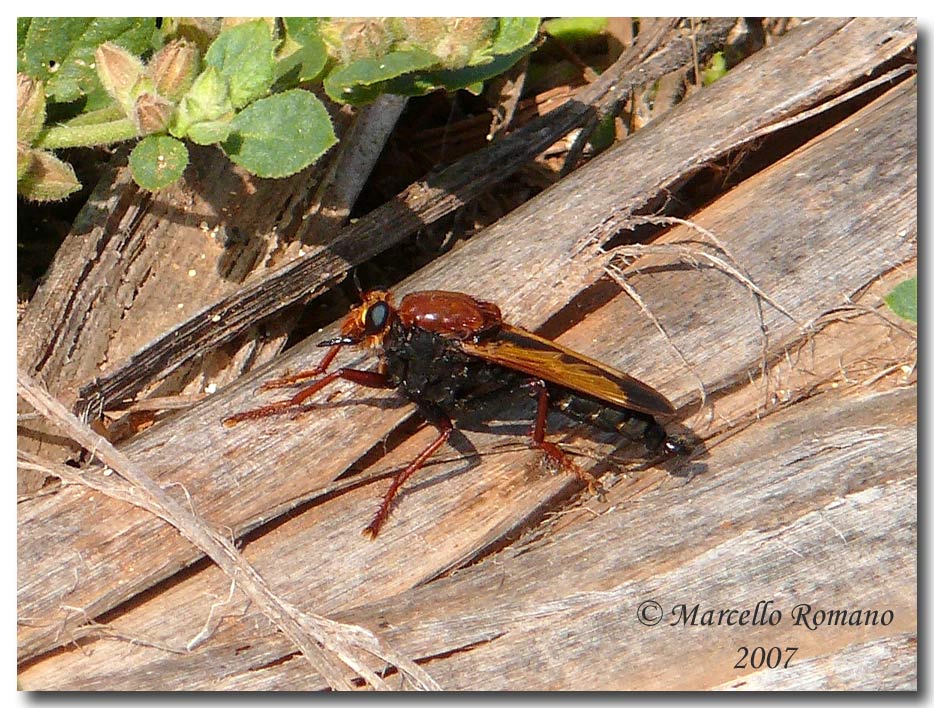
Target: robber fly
[{"x": 439, "y": 348}]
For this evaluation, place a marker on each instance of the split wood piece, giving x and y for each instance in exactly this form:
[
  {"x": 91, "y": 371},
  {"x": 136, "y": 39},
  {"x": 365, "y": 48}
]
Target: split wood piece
[
  {"x": 420, "y": 204},
  {"x": 135, "y": 265},
  {"x": 268, "y": 458}
]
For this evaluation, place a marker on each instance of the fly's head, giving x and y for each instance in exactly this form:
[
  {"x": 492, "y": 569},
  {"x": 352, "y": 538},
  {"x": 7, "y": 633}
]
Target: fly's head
[{"x": 368, "y": 323}]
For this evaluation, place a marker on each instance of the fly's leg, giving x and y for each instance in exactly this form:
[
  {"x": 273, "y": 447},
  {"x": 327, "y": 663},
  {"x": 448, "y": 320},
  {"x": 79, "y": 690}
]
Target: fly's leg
[
  {"x": 444, "y": 425},
  {"x": 551, "y": 450},
  {"x": 371, "y": 379},
  {"x": 286, "y": 381}
]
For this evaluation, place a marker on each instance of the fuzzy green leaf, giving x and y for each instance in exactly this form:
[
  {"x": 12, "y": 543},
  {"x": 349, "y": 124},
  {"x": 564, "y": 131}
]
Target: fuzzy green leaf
[
  {"x": 365, "y": 79},
  {"x": 60, "y": 50},
  {"x": 312, "y": 54},
  {"x": 207, "y": 100},
  {"x": 209, "y": 132},
  {"x": 516, "y": 34},
  {"x": 573, "y": 29},
  {"x": 243, "y": 55},
  {"x": 903, "y": 300},
  {"x": 456, "y": 79},
  {"x": 158, "y": 161},
  {"x": 280, "y": 135}
]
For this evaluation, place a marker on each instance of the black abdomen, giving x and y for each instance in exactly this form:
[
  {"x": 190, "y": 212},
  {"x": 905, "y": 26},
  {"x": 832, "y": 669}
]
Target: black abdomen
[
  {"x": 439, "y": 377},
  {"x": 633, "y": 425}
]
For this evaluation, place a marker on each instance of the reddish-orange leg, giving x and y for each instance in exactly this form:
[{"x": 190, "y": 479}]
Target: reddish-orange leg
[
  {"x": 372, "y": 379},
  {"x": 444, "y": 432},
  {"x": 322, "y": 366},
  {"x": 555, "y": 453}
]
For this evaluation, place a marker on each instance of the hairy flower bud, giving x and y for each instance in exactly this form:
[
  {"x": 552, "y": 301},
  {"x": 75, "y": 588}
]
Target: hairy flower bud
[
  {"x": 352, "y": 38},
  {"x": 173, "y": 68},
  {"x": 30, "y": 108},
  {"x": 119, "y": 72},
  {"x": 152, "y": 113},
  {"x": 24, "y": 159},
  {"x": 44, "y": 178}
]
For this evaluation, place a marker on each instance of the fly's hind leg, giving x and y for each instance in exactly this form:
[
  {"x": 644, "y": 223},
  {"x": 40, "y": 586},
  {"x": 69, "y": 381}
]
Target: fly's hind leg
[
  {"x": 554, "y": 453},
  {"x": 444, "y": 425}
]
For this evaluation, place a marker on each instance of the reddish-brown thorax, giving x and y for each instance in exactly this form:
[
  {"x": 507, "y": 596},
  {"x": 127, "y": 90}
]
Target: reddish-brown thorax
[{"x": 447, "y": 313}]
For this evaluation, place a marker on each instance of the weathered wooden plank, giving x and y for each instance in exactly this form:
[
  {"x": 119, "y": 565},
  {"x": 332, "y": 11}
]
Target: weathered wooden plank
[
  {"x": 437, "y": 515},
  {"x": 801, "y": 508},
  {"x": 245, "y": 484},
  {"x": 418, "y": 205}
]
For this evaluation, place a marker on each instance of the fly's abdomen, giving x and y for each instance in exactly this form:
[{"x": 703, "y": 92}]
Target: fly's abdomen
[{"x": 633, "y": 425}]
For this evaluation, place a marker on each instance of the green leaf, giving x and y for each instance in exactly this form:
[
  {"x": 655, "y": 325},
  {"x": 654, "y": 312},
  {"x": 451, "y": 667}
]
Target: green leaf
[
  {"x": 515, "y": 34},
  {"x": 209, "y": 132},
  {"x": 312, "y": 54},
  {"x": 365, "y": 79},
  {"x": 416, "y": 72},
  {"x": 243, "y": 55},
  {"x": 280, "y": 135},
  {"x": 903, "y": 300},
  {"x": 22, "y": 29},
  {"x": 716, "y": 68},
  {"x": 45, "y": 178},
  {"x": 573, "y": 29},
  {"x": 60, "y": 50},
  {"x": 456, "y": 79},
  {"x": 158, "y": 161},
  {"x": 207, "y": 100}
]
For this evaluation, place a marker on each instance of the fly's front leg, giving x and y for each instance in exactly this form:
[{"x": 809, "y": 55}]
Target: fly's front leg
[
  {"x": 551, "y": 450},
  {"x": 322, "y": 366},
  {"x": 371, "y": 379}
]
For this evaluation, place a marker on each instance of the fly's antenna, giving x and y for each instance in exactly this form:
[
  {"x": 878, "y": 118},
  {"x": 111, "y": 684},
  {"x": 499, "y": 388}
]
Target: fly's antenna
[{"x": 356, "y": 283}]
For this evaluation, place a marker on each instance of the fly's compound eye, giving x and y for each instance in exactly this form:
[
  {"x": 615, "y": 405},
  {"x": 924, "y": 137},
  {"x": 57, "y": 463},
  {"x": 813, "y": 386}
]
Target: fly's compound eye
[{"x": 377, "y": 316}]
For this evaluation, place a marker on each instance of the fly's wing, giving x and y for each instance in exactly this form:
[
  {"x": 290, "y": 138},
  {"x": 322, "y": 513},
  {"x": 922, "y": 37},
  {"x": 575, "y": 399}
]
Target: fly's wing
[{"x": 515, "y": 348}]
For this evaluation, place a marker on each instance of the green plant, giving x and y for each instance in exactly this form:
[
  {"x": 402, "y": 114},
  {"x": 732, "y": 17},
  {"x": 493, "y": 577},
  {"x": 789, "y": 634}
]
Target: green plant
[
  {"x": 903, "y": 300},
  {"x": 715, "y": 69},
  {"x": 574, "y": 29},
  {"x": 231, "y": 83}
]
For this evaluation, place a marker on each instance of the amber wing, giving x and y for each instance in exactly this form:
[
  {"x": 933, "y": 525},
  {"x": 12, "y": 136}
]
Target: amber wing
[{"x": 518, "y": 349}]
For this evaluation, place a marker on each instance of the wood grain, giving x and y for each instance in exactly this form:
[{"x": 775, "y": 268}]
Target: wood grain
[
  {"x": 812, "y": 230},
  {"x": 418, "y": 205},
  {"x": 136, "y": 263}
]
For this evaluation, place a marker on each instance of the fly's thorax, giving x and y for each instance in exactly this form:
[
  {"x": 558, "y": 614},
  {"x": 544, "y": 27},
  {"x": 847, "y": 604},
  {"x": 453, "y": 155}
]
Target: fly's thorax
[
  {"x": 449, "y": 314},
  {"x": 431, "y": 368}
]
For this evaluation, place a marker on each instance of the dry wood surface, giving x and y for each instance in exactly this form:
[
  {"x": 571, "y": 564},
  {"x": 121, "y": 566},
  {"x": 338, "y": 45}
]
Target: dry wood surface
[
  {"x": 491, "y": 573},
  {"x": 136, "y": 263}
]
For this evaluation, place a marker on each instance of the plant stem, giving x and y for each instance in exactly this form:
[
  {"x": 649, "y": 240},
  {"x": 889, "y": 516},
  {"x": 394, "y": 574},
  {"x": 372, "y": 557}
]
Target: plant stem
[
  {"x": 101, "y": 115},
  {"x": 64, "y": 136}
]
